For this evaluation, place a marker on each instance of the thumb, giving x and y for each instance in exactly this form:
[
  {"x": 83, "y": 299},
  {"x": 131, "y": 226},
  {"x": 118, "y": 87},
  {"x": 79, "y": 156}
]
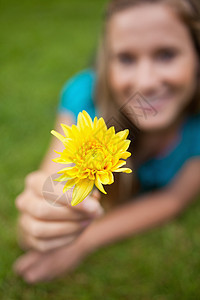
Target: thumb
[{"x": 91, "y": 204}]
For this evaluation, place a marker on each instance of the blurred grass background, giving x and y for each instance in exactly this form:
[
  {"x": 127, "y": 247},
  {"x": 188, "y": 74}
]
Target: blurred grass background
[{"x": 43, "y": 43}]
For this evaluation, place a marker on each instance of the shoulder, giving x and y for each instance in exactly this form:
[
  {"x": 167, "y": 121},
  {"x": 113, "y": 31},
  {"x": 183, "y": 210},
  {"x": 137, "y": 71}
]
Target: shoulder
[{"x": 81, "y": 80}]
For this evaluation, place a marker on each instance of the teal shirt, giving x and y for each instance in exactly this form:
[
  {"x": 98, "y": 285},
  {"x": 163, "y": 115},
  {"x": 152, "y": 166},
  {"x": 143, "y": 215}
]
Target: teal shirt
[{"x": 78, "y": 95}]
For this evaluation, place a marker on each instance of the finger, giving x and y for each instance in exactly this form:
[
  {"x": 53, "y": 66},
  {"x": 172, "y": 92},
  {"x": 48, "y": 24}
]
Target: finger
[
  {"x": 30, "y": 203},
  {"x": 46, "y": 186},
  {"x": 43, "y": 269},
  {"x": 91, "y": 206},
  {"x": 36, "y": 180},
  {"x": 25, "y": 261},
  {"x": 21, "y": 238},
  {"x": 43, "y": 245},
  {"x": 45, "y": 229}
]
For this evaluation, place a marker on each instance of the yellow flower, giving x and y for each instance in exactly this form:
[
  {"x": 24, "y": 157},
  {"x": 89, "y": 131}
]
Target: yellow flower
[{"x": 95, "y": 153}]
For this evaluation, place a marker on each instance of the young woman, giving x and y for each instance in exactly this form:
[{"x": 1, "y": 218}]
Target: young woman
[{"x": 147, "y": 80}]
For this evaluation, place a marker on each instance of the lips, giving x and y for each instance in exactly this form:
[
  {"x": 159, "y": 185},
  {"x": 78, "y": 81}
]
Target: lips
[{"x": 159, "y": 102}]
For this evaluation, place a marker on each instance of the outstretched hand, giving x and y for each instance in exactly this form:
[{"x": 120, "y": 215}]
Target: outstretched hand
[{"x": 44, "y": 226}]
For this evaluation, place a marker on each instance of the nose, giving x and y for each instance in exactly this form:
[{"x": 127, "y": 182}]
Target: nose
[{"x": 146, "y": 78}]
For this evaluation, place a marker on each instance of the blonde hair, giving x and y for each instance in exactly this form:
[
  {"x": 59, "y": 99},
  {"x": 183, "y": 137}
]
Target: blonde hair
[{"x": 189, "y": 12}]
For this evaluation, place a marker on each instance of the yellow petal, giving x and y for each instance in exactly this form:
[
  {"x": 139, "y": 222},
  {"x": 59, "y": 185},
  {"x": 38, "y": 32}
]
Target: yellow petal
[
  {"x": 69, "y": 184},
  {"x": 69, "y": 171},
  {"x": 101, "y": 127},
  {"x": 99, "y": 184},
  {"x": 125, "y": 155},
  {"x": 58, "y": 135},
  {"x": 125, "y": 170},
  {"x": 81, "y": 190},
  {"x": 57, "y": 152},
  {"x": 122, "y": 135},
  {"x": 84, "y": 122},
  {"x": 66, "y": 129},
  {"x": 61, "y": 160},
  {"x": 70, "y": 148},
  {"x": 109, "y": 136},
  {"x": 123, "y": 146},
  {"x": 81, "y": 121},
  {"x": 68, "y": 151},
  {"x": 111, "y": 177},
  {"x": 75, "y": 132},
  {"x": 115, "y": 160},
  {"x": 62, "y": 178},
  {"x": 95, "y": 123},
  {"x": 119, "y": 164},
  {"x": 88, "y": 119},
  {"x": 111, "y": 131},
  {"x": 105, "y": 177}
]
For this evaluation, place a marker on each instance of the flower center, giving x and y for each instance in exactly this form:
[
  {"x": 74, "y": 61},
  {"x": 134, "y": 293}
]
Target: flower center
[{"x": 92, "y": 155}]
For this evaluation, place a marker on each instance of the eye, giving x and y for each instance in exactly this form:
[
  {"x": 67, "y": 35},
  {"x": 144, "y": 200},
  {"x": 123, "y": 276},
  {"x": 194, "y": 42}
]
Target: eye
[
  {"x": 166, "y": 55},
  {"x": 126, "y": 58}
]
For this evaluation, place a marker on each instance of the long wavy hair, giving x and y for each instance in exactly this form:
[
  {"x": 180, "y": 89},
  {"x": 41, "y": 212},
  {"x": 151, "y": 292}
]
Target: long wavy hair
[{"x": 188, "y": 11}]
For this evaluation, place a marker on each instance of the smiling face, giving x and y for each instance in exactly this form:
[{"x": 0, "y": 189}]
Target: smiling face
[{"x": 151, "y": 52}]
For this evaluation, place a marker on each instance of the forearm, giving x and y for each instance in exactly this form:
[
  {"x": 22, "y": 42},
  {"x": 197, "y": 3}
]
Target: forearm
[
  {"x": 129, "y": 219},
  {"x": 47, "y": 165}
]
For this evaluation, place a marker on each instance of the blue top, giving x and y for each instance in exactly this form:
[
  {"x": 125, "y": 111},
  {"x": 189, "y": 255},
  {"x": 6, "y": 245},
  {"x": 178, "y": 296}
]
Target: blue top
[{"x": 78, "y": 95}]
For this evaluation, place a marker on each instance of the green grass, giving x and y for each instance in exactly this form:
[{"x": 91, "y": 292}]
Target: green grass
[{"x": 43, "y": 43}]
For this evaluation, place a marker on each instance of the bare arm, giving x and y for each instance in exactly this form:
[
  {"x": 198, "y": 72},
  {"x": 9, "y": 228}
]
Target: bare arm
[
  {"x": 47, "y": 165},
  {"x": 145, "y": 212},
  {"x": 37, "y": 217}
]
